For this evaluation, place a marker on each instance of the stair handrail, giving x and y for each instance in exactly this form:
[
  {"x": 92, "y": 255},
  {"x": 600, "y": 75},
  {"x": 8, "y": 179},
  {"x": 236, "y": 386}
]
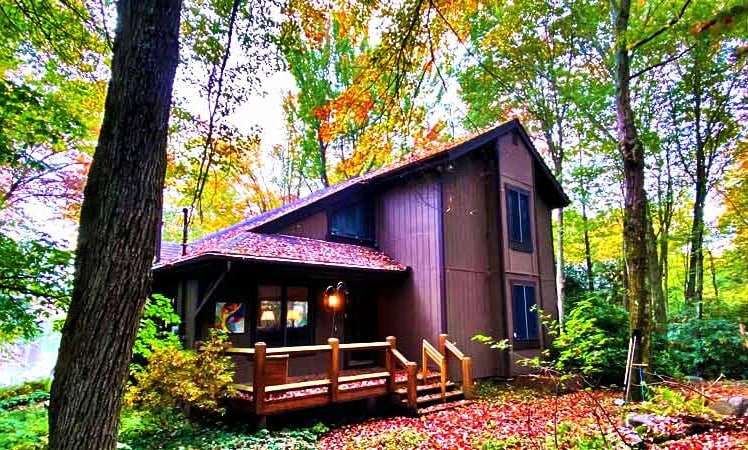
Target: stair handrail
[
  {"x": 393, "y": 356},
  {"x": 430, "y": 352},
  {"x": 466, "y": 363}
]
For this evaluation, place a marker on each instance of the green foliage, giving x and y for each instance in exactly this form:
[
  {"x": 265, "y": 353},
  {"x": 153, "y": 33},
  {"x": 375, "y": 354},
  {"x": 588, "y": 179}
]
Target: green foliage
[
  {"x": 35, "y": 283},
  {"x": 404, "y": 438},
  {"x": 707, "y": 348},
  {"x": 144, "y": 431},
  {"x": 595, "y": 339},
  {"x": 667, "y": 402},
  {"x": 175, "y": 378},
  {"x": 156, "y": 327},
  {"x": 24, "y": 429},
  {"x": 23, "y": 400},
  {"x": 491, "y": 443},
  {"x": 25, "y": 388}
]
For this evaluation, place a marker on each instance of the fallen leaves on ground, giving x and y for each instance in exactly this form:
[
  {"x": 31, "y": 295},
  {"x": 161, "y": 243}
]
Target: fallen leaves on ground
[{"x": 519, "y": 419}]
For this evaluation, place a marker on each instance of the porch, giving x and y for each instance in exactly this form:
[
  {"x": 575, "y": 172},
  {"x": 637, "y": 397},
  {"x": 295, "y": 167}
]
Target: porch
[{"x": 272, "y": 391}]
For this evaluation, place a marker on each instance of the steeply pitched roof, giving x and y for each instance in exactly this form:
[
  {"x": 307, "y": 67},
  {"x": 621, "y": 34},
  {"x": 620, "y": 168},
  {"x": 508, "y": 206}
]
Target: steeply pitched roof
[
  {"x": 452, "y": 150},
  {"x": 242, "y": 244}
]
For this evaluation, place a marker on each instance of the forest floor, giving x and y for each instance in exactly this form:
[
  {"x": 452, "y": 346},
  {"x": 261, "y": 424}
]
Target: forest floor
[{"x": 510, "y": 418}]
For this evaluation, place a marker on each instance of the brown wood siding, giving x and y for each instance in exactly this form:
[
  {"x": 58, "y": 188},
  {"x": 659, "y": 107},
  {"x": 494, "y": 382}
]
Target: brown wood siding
[
  {"x": 471, "y": 259},
  {"x": 407, "y": 230},
  {"x": 517, "y": 170},
  {"x": 313, "y": 227}
]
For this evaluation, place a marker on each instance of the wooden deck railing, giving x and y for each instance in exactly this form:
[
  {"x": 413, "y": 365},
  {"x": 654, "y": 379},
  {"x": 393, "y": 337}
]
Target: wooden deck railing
[
  {"x": 334, "y": 387},
  {"x": 448, "y": 349},
  {"x": 429, "y": 352}
]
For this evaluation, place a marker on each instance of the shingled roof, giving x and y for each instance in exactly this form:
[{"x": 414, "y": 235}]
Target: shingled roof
[
  {"x": 245, "y": 239},
  {"x": 279, "y": 248}
]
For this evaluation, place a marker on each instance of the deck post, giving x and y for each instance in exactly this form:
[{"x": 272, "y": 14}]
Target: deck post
[
  {"x": 412, "y": 380},
  {"x": 442, "y": 347},
  {"x": 258, "y": 382},
  {"x": 334, "y": 368},
  {"x": 389, "y": 364},
  {"x": 467, "y": 377}
]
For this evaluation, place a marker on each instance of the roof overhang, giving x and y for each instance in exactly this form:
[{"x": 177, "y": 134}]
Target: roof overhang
[{"x": 207, "y": 256}]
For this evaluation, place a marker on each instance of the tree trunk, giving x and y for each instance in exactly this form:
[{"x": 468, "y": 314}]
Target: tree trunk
[
  {"x": 323, "y": 164},
  {"x": 695, "y": 280},
  {"x": 560, "y": 278},
  {"x": 655, "y": 281},
  {"x": 635, "y": 199},
  {"x": 118, "y": 226},
  {"x": 587, "y": 250}
]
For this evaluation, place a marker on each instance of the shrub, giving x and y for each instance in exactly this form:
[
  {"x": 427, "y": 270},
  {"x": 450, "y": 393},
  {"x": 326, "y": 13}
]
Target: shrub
[
  {"x": 707, "y": 348},
  {"x": 25, "y": 389},
  {"x": 24, "y": 429},
  {"x": 23, "y": 400},
  {"x": 595, "y": 340},
  {"x": 176, "y": 378},
  {"x": 155, "y": 327}
]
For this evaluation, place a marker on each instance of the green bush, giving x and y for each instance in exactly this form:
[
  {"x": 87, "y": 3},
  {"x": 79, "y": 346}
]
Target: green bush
[
  {"x": 25, "y": 389},
  {"x": 143, "y": 431},
  {"x": 595, "y": 340},
  {"x": 155, "y": 327},
  {"x": 24, "y": 399},
  {"x": 175, "y": 378},
  {"x": 24, "y": 429},
  {"x": 707, "y": 348}
]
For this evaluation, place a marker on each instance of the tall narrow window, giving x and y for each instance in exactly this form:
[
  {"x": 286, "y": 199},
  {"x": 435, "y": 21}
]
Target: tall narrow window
[
  {"x": 519, "y": 222},
  {"x": 524, "y": 314}
]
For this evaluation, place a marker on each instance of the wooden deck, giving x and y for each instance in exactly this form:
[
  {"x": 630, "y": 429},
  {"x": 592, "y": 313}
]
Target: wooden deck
[{"x": 271, "y": 391}]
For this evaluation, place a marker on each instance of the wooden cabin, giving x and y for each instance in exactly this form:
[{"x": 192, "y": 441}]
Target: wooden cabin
[{"x": 453, "y": 241}]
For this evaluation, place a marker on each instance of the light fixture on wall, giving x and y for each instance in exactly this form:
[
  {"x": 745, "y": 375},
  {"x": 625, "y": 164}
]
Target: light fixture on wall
[{"x": 335, "y": 298}]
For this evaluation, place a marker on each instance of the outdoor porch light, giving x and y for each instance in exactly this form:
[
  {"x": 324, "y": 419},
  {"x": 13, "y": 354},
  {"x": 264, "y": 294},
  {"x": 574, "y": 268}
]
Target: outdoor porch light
[{"x": 335, "y": 296}]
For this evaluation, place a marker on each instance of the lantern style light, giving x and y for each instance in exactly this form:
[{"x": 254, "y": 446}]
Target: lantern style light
[{"x": 335, "y": 297}]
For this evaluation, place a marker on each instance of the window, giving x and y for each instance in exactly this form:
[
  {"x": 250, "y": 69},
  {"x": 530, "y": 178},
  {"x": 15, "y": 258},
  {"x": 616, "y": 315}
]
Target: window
[
  {"x": 283, "y": 316},
  {"x": 518, "y": 210},
  {"x": 353, "y": 223},
  {"x": 524, "y": 313}
]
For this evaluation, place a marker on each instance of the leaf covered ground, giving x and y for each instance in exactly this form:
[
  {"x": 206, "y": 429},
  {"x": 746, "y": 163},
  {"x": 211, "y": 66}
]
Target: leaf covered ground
[{"x": 520, "y": 419}]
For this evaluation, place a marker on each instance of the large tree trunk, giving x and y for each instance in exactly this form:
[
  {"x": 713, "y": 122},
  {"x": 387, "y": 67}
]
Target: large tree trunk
[
  {"x": 655, "y": 280},
  {"x": 635, "y": 199},
  {"x": 118, "y": 226}
]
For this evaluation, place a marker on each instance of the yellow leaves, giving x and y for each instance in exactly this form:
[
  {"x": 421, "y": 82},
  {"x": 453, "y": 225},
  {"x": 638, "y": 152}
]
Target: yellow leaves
[{"x": 175, "y": 377}]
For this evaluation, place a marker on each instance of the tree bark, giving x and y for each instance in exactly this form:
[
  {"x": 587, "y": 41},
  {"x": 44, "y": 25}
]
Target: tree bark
[
  {"x": 695, "y": 279},
  {"x": 587, "y": 250},
  {"x": 635, "y": 199},
  {"x": 118, "y": 226}
]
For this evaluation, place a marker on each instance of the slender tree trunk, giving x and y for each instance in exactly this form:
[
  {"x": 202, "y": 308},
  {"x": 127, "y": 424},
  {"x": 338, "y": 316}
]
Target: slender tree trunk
[
  {"x": 118, "y": 226},
  {"x": 714, "y": 276},
  {"x": 587, "y": 250},
  {"x": 655, "y": 281},
  {"x": 695, "y": 283},
  {"x": 560, "y": 278},
  {"x": 635, "y": 199}
]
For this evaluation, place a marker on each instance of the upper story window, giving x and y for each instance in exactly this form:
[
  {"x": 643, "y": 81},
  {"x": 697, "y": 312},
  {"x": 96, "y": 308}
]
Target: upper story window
[
  {"x": 519, "y": 223},
  {"x": 524, "y": 313},
  {"x": 354, "y": 223}
]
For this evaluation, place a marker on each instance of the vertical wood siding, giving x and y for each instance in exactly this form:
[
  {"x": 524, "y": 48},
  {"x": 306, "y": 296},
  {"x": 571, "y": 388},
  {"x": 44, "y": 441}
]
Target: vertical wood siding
[
  {"x": 407, "y": 230},
  {"x": 471, "y": 259},
  {"x": 313, "y": 227},
  {"x": 517, "y": 169}
]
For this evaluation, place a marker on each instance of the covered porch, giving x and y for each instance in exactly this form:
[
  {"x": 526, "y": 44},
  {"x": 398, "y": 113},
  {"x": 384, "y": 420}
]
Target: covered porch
[{"x": 271, "y": 289}]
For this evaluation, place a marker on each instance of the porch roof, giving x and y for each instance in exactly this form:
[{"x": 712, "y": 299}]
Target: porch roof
[{"x": 279, "y": 248}]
